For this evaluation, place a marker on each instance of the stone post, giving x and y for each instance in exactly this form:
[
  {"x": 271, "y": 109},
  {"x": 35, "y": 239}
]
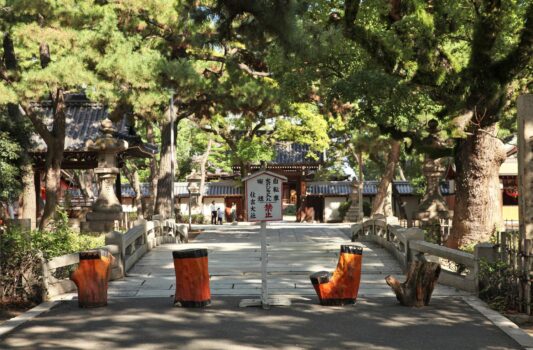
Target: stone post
[
  {"x": 525, "y": 192},
  {"x": 353, "y": 213},
  {"x": 107, "y": 208},
  {"x": 433, "y": 205}
]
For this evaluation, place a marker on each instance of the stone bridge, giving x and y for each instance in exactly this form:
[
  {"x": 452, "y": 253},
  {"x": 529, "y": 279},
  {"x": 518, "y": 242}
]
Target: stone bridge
[{"x": 294, "y": 251}]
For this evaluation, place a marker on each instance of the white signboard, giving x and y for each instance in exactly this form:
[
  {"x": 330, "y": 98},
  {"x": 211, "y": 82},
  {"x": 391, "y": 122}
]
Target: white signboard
[{"x": 264, "y": 196}]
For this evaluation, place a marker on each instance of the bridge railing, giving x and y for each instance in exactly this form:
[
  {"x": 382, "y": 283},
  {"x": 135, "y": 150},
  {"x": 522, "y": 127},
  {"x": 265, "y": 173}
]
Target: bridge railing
[
  {"x": 127, "y": 248},
  {"x": 459, "y": 269}
]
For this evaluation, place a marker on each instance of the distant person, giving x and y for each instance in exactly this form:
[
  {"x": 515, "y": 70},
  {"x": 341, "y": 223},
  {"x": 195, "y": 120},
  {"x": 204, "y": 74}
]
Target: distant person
[
  {"x": 220, "y": 213},
  {"x": 213, "y": 213}
]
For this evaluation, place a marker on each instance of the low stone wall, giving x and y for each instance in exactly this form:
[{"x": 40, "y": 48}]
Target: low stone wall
[
  {"x": 459, "y": 269},
  {"x": 127, "y": 248}
]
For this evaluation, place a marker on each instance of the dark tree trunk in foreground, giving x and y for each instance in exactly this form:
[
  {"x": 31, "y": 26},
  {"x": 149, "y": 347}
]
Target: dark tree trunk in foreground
[
  {"x": 133, "y": 178},
  {"x": 420, "y": 281},
  {"x": 477, "y": 212},
  {"x": 55, "y": 143},
  {"x": 379, "y": 205},
  {"x": 163, "y": 205},
  {"x": 203, "y": 170},
  {"x": 149, "y": 203},
  {"x": 164, "y": 179},
  {"x": 54, "y": 157}
]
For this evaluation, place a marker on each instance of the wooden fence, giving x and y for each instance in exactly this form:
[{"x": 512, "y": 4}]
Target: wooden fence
[
  {"x": 127, "y": 249},
  {"x": 509, "y": 250}
]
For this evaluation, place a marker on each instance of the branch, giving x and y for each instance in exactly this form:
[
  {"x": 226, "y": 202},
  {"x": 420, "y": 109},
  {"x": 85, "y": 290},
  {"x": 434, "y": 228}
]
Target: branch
[
  {"x": 486, "y": 28},
  {"x": 250, "y": 71},
  {"x": 521, "y": 56},
  {"x": 351, "y": 9},
  {"x": 38, "y": 124},
  {"x": 10, "y": 59},
  {"x": 257, "y": 128},
  {"x": 370, "y": 42}
]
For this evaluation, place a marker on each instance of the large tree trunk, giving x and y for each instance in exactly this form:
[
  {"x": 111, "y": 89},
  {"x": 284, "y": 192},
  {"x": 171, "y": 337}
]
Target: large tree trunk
[
  {"x": 361, "y": 184},
  {"x": 203, "y": 172},
  {"x": 55, "y": 142},
  {"x": 149, "y": 203},
  {"x": 54, "y": 158},
  {"x": 380, "y": 204},
  {"x": 163, "y": 205},
  {"x": 244, "y": 172},
  {"x": 29, "y": 197},
  {"x": 477, "y": 212},
  {"x": 133, "y": 178}
]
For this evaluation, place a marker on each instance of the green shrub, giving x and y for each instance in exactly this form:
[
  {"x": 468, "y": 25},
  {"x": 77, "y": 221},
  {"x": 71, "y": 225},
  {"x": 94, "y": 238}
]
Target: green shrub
[
  {"x": 498, "y": 285},
  {"x": 20, "y": 267},
  {"x": 367, "y": 209},
  {"x": 290, "y": 210},
  {"x": 20, "y": 256},
  {"x": 195, "y": 219},
  {"x": 61, "y": 239},
  {"x": 343, "y": 209},
  {"x": 198, "y": 219}
]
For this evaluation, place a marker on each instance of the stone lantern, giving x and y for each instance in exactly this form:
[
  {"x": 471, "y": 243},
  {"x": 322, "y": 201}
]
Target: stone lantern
[
  {"x": 433, "y": 206},
  {"x": 107, "y": 210}
]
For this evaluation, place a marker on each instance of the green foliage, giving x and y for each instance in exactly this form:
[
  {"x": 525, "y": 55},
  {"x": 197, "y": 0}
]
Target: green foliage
[
  {"x": 343, "y": 209},
  {"x": 290, "y": 210},
  {"x": 62, "y": 240},
  {"x": 498, "y": 285},
  {"x": 195, "y": 219},
  {"x": 305, "y": 125},
  {"x": 367, "y": 208},
  {"x": 9, "y": 167},
  {"x": 20, "y": 264}
]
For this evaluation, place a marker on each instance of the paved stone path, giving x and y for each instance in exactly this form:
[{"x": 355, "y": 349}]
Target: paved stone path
[
  {"x": 153, "y": 323},
  {"x": 140, "y": 314},
  {"x": 294, "y": 250}
]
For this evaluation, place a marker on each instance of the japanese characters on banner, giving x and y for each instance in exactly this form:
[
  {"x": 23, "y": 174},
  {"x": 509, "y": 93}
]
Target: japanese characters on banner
[{"x": 264, "y": 196}]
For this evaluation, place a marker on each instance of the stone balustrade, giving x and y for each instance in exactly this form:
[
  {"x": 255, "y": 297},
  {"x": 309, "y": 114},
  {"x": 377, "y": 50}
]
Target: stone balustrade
[
  {"x": 459, "y": 269},
  {"x": 127, "y": 248}
]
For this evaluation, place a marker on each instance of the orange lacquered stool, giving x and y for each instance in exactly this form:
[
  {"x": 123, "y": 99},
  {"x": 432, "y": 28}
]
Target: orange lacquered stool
[
  {"x": 92, "y": 276},
  {"x": 192, "y": 278},
  {"x": 343, "y": 286}
]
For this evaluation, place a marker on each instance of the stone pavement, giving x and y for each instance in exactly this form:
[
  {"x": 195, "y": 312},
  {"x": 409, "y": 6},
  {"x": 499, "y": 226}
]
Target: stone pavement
[
  {"x": 152, "y": 323},
  {"x": 140, "y": 314},
  {"x": 294, "y": 250}
]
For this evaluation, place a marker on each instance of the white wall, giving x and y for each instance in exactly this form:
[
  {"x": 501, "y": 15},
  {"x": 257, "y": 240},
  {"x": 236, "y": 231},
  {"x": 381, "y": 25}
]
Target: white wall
[
  {"x": 331, "y": 208},
  {"x": 219, "y": 203}
]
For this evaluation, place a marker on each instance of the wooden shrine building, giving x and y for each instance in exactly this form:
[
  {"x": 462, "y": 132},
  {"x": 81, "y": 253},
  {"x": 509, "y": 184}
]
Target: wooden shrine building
[{"x": 83, "y": 123}]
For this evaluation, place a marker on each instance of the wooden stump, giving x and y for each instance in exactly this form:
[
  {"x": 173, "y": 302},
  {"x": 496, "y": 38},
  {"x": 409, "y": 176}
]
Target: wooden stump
[
  {"x": 192, "y": 278},
  {"x": 419, "y": 284},
  {"x": 92, "y": 276}
]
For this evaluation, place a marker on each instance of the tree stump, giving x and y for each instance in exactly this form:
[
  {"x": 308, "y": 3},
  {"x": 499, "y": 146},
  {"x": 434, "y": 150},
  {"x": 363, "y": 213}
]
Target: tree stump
[{"x": 419, "y": 284}]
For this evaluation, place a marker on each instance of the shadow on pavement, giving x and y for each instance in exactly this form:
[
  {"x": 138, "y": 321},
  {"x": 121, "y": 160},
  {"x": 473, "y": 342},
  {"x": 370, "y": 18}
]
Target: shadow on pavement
[{"x": 378, "y": 323}]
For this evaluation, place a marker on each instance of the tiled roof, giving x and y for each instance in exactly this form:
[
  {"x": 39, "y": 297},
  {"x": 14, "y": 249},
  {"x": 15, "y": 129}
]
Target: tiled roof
[
  {"x": 83, "y": 123},
  {"x": 403, "y": 187},
  {"x": 127, "y": 190},
  {"x": 223, "y": 188},
  {"x": 343, "y": 188},
  {"x": 294, "y": 153},
  {"x": 335, "y": 188},
  {"x": 232, "y": 188}
]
